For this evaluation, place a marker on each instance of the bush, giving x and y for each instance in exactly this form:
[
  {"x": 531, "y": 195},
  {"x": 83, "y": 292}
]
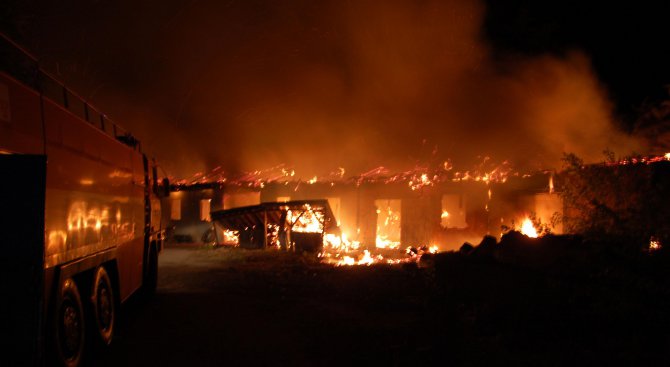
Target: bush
[{"x": 616, "y": 199}]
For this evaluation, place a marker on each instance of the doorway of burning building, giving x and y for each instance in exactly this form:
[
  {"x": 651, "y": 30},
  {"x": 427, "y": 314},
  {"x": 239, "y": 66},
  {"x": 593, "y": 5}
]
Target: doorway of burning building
[
  {"x": 388, "y": 223},
  {"x": 335, "y": 208},
  {"x": 205, "y": 208}
]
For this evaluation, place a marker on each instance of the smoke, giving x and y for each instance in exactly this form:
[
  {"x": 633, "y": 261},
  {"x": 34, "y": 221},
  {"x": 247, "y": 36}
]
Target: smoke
[
  {"x": 363, "y": 84},
  {"x": 356, "y": 84}
]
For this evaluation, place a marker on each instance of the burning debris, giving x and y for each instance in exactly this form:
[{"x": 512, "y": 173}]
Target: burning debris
[
  {"x": 292, "y": 226},
  {"x": 303, "y": 226},
  {"x": 420, "y": 176}
]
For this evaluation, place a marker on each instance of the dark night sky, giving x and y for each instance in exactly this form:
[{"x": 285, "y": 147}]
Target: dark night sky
[
  {"x": 627, "y": 42},
  {"x": 356, "y": 84}
]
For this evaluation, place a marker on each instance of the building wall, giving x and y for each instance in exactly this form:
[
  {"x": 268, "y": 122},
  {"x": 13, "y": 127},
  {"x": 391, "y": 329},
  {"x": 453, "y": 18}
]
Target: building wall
[
  {"x": 485, "y": 208},
  {"x": 193, "y": 223}
]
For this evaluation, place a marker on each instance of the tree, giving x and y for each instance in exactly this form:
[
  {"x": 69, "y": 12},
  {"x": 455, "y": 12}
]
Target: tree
[
  {"x": 616, "y": 200},
  {"x": 654, "y": 125}
]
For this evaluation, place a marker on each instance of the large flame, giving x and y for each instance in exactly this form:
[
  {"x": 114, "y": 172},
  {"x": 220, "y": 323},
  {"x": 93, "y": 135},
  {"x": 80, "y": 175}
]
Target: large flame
[
  {"x": 528, "y": 229},
  {"x": 308, "y": 220}
]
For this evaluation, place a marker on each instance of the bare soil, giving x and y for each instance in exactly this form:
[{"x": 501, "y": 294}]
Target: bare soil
[{"x": 222, "y": 306}]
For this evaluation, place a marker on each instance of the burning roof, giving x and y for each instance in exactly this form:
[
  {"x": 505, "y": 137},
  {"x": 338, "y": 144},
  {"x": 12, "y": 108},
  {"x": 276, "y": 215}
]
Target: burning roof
[{"x": 485, "y": 171}]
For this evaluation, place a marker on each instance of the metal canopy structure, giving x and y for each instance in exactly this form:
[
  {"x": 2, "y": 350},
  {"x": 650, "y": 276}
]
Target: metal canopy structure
[{"x": 252, "y": 222}]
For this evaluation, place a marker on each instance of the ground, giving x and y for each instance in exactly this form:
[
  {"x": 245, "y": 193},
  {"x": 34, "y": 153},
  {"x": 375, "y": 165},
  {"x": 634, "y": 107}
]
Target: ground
[{"x": 222, "y": 306}]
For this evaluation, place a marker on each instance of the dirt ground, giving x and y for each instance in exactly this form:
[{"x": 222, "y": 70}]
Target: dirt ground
[
  {"x": 244, "y": 307},
  {"x": 221, "y": 306}
]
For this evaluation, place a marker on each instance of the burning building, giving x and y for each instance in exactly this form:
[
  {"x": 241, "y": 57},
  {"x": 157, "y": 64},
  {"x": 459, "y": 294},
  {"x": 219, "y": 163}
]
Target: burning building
[{"x": 377, "y": 210}]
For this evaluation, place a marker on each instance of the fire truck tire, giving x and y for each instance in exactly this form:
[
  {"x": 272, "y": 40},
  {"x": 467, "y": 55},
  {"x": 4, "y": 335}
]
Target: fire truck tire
[
  {"x": 103, "y": 311},
  {"x": 150, "y": 282},
  {"x": 69, "y": 326}
]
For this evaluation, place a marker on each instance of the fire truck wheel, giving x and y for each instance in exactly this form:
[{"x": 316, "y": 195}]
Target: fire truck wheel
[
  {"x": 103, "y": 307},
  {"x": 70, "y": 326}
]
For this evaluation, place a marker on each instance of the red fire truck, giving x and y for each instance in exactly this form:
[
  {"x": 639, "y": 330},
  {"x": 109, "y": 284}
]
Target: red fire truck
[{"x": 80, "y": 218}]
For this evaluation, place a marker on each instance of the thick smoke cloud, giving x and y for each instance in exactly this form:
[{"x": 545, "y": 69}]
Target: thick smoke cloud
[
  {"x": 356, "y": 84},
  {"x": 363, "y": 84}
]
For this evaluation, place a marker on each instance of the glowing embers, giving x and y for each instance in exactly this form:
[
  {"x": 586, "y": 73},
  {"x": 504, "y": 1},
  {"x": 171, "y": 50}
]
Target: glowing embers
[
  {"x": 340, "y": 252},
  {"x": 654, "y": 245},
  {"x": 418, "y": 183},
  {"x": 528, "y": 228},
  {"x": 364, "y": 259},
  {"x": 273, "y": 238},
  {"x": 388, "y": 224},
  {"x": 639, "y": 160},
  {"x": 230, "y": 237}
]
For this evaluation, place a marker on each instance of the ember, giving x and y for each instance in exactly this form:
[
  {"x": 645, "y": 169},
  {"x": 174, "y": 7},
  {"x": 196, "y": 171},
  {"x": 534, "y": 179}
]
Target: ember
[
  {"x": 654, "y": 244},
  {"x": 231, "y": 237}
]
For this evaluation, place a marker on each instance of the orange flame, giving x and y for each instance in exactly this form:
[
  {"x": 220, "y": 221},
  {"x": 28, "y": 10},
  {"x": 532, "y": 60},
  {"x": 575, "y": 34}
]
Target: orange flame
[{"x": 528, "y": 229}]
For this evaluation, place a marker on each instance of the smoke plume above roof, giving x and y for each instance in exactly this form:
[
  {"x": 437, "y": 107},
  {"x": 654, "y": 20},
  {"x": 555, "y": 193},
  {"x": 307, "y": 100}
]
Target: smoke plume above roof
[{"x": 355, "y": 84}]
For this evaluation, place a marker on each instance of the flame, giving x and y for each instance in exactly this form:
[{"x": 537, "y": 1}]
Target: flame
[
  {"x": 365, "y": 259},
  {"x": 388, "y": 227},
  {"x": 528, "y": 229},
  {"x": 654, "y": 244},
  {"x": 231, "y": 237},
  {"x": 445, "y": 214},
  {"x": 384, "y": 242},
  {"x": 308, "y": 220},
  {"x": 421, "y": 181},
  {"x": 339, "y": 243}
]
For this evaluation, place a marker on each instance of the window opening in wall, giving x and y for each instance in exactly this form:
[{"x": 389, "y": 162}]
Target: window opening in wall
[
  {"x": 453, "y": 211},
  {"x": 175, "y": 209}
]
